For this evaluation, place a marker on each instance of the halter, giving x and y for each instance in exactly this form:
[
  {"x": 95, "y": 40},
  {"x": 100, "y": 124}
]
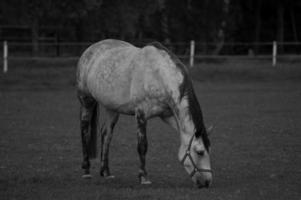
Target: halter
[{"x": 188, "y": 155}]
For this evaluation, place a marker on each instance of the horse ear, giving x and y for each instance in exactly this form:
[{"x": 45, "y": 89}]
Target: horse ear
[{"x": 209, "y": 130}]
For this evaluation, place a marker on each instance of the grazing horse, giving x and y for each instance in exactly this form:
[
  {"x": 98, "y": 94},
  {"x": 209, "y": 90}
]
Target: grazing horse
[{"x": 145, "y": 82}]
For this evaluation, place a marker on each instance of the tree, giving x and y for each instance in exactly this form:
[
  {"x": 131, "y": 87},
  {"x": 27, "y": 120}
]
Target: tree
[
  {"x": 258, "y": 24},
  {"x": 280, "y": 23}
]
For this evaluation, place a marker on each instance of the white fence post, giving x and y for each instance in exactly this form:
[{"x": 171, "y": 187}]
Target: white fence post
[
  {"x": 191, "y": 60},
  {"x": 274, "y": 53},
  {"x": 5, "y": 53}
]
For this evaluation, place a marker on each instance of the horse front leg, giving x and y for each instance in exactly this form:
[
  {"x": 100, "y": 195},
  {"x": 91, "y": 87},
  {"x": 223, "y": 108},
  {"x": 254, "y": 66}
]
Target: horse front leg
[{"x": 142, "y": 146}]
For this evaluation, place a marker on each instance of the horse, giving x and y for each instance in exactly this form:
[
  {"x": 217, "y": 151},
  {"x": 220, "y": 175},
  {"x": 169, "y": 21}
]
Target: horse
[{"x": 143, "y": 82}]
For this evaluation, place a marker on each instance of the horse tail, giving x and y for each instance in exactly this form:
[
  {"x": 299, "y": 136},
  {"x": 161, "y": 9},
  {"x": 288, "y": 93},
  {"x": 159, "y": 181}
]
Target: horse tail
[{"x": 92, "y": 143}]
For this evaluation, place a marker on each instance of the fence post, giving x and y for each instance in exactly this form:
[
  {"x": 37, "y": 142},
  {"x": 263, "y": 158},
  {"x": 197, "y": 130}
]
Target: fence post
[
  {"x": 191, "y": 60},
  {"x": 5, "y": 53},
  {"x": 274, "y": 53}
]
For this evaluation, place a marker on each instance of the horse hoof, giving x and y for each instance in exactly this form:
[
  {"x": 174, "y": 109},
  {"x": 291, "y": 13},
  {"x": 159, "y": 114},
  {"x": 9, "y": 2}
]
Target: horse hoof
[
  {"x": 109, "y": 177},
  {"x": 86, "y": 176},
  {"x": 106, "y": 175},
  {"x": 145, "y": 181}
]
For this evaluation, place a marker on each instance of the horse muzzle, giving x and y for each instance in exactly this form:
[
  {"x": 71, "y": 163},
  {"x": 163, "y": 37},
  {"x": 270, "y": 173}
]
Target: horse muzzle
[
  {"x": 203, "y": 183},
  {"x": 203, "y": 180}
]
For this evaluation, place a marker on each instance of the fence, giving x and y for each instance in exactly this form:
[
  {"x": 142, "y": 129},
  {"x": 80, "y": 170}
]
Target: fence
[{"x": 190, "y": 52}]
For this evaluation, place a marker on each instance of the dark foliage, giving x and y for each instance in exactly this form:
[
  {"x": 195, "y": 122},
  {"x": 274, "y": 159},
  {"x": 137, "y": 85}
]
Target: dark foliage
[{"x": 214, "y": 21}]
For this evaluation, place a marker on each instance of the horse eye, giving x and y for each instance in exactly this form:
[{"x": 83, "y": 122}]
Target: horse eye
[{"x": 200, "y": 153}]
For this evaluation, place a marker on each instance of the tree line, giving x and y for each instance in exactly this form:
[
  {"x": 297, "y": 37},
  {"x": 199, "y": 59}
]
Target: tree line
[{"x": 168, "y": 21}]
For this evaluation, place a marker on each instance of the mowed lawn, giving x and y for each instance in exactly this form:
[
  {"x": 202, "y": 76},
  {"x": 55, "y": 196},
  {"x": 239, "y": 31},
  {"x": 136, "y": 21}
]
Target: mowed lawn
[{"x": 256, "y": 144}]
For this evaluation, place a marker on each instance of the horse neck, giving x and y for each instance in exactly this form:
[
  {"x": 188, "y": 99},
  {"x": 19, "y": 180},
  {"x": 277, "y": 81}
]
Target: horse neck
[
  {"x": 185, "y": 126},
  {"x": 185, "y": 123}
]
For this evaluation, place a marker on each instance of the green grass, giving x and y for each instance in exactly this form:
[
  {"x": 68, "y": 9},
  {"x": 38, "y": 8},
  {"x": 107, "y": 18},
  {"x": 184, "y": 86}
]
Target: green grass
[
  {"x": 55, "y": 73},
  {"x": 242, "y": 71},
  {"x": 255, "y": 144}
]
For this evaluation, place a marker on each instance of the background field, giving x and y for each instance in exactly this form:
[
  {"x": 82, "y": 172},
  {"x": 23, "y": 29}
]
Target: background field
[{"x": 256, "y": 145}]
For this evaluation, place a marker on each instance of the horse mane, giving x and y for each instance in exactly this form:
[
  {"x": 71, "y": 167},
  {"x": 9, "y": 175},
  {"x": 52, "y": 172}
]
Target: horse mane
[{"x": 186, "y": 90}]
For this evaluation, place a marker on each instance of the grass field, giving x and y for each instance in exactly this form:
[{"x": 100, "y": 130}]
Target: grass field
[{"x": 256, "y": 144}]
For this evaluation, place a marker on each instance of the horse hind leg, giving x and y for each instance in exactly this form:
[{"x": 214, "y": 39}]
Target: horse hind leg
[
  {"x": 107, "y": 127},
  {"x": 142, "y": 146},
  {"x": 88, "y": 132}
]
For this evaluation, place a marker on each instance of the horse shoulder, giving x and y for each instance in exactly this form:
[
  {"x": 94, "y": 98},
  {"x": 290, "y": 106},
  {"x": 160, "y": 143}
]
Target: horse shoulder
[
  {"x": 155, "y": 80},
  {"x": 146, "y": 77},
  {"x": 171, "y": 76}
]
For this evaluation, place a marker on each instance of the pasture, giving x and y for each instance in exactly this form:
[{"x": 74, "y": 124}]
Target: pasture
[{"x": 256, "y": 143}]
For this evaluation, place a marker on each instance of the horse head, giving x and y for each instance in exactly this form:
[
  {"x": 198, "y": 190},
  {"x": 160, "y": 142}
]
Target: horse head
[{"x": 196, "y": 161}]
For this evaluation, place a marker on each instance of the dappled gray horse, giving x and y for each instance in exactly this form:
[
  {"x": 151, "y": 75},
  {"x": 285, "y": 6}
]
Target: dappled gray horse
[{"x": 145, "y": 82}]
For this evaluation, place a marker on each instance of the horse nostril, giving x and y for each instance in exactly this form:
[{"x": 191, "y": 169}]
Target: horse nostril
[{"x": 204, "y": 184}]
